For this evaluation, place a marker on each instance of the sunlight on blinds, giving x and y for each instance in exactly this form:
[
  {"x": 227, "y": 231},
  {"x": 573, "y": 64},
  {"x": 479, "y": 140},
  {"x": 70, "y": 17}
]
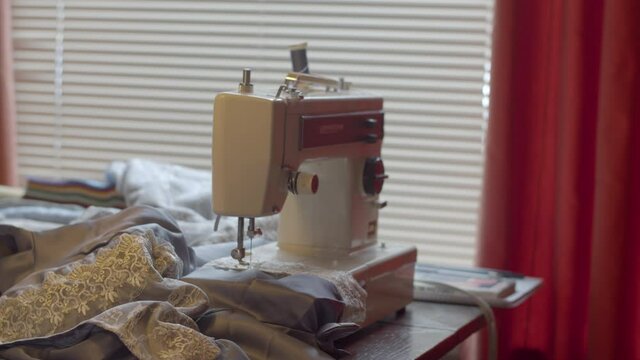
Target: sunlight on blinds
[{"x": 105, "y": 80}]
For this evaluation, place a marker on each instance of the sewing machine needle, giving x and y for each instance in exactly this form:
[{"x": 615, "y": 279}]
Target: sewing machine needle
[
  {"x": 217, "y": 223},
  {"x": 251, "y": 232}
]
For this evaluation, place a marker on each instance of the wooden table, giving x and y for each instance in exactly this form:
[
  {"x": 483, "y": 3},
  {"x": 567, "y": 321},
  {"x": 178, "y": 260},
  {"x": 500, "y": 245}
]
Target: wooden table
[{"x": 424, "y": 331}]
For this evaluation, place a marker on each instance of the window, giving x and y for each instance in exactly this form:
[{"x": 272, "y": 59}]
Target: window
[{"x": 105, "y": 80}]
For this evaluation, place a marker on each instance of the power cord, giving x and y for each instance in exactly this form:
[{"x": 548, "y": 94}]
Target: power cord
[{"x": 484, "y": 307}]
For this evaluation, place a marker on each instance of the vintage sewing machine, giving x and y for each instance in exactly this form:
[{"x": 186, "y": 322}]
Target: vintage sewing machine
[{"x": 311, "y": 152}]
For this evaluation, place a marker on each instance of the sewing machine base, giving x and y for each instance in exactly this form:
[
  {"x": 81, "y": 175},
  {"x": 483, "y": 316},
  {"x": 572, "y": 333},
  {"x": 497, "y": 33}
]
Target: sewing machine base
[{"x": 385, "y": 271}]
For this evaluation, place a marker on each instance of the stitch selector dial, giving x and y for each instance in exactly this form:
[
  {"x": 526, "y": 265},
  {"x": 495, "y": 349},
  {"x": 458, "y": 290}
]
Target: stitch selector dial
[{"x": 373, "y": 177}]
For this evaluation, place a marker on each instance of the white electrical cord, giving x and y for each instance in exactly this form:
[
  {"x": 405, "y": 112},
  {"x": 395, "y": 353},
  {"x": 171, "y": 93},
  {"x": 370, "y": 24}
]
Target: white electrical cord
[{"x": 492, "y": 351}]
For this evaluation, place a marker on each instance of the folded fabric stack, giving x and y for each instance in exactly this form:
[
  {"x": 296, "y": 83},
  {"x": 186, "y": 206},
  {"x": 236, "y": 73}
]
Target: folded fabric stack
[{"x": 80, "y": 192}]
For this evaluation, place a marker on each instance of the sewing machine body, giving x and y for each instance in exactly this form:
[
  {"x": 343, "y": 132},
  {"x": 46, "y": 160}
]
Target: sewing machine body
[
  {"x": 314, "y": 158},
  {"x": 264, "y": 139}
]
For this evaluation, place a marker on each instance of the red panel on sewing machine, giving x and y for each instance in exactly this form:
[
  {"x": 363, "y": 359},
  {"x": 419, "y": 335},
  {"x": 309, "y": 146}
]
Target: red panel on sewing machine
[{"x": 324, "y": 130}]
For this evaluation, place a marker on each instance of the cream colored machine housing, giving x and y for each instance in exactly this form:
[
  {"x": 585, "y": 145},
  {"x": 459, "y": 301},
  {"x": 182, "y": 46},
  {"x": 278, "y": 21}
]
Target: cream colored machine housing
[
  {"x": 262, "y": 144},
  {"x": 248, "y": 139}
]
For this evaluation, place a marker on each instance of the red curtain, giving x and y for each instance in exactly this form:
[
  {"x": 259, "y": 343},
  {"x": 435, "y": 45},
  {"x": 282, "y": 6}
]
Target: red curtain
[
  {"x": 8, "y": 173},
  {"x": 561, "y": 195}
]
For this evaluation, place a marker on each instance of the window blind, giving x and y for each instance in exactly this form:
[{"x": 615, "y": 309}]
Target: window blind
[{"x": 99, "y": 81}]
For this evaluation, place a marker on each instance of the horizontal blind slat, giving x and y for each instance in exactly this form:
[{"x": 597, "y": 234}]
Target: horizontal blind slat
[{"x": 139, "y": 80}]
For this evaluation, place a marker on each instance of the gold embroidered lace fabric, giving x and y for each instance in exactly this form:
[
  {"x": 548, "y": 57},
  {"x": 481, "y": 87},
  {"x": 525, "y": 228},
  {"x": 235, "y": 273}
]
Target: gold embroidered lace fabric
[{"x": 106, "y": 289}]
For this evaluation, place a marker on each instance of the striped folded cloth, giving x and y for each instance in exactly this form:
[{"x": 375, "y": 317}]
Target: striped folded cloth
[{"x": 80, "y": 192}]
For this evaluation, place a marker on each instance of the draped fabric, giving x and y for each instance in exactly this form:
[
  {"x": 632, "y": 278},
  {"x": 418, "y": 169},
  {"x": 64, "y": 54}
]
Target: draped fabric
[
  {"x": 561, "y": 196},
  {"x": 126, "y": 285},
  {"x": 8, "y": 172}
]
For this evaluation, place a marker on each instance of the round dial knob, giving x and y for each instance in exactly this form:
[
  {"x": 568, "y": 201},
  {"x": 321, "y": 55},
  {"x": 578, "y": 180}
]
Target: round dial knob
[
  {"x": 373, "y": 177},
  {"x": 303, "y": 183}
]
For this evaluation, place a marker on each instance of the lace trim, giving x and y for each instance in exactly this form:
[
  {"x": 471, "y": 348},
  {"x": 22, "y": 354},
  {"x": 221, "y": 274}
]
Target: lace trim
[
  {"x": 173, "y": 335},
  {"x": 99, "y": 289},
  {"x": 179, "y": 343},
  {"x": 113, "y": 275}
]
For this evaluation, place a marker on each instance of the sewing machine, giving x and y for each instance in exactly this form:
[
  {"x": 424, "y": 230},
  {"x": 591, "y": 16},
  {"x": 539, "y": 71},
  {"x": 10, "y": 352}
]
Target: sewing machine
[{"x": 311, "y": 153}]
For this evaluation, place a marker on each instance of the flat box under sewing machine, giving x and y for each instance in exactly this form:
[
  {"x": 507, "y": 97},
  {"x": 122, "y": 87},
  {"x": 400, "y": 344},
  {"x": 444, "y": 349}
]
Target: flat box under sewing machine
[{"x": 385, "y": 271}]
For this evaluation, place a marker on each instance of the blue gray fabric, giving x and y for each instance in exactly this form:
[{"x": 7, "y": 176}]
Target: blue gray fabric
[
  {"x": 32, "y": 252},
  {"x": 163, "y": 308}
]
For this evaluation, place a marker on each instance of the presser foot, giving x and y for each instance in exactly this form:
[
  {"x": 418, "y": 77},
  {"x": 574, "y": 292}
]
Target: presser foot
[{"x": 238, "y": 254}]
